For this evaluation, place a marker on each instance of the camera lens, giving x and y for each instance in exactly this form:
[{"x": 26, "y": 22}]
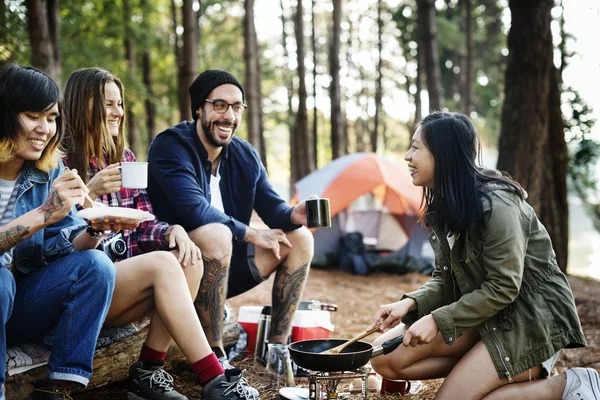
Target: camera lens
[{"x": 119, "y": 247}]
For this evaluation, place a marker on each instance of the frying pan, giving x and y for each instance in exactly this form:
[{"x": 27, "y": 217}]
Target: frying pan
[{"x": 305, "y": 354}]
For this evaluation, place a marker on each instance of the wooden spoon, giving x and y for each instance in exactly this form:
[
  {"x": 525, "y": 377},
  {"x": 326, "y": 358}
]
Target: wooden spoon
[{"x": 338, "y": 349}]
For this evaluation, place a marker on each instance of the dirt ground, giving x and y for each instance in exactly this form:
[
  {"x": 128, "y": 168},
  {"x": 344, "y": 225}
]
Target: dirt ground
[{"x": 357, "y": 298}]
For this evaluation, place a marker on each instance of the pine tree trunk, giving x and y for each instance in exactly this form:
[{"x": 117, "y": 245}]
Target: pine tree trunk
[
  {"x": 554, "y": 212},
  {"x": 428, "y": 41},
  {"x": 532, "y": 146},
  {"x": 132, "y": 132},
  {"x": 315, "y": 121},
  {"x": 54, "y": 29},
  {"x": 189, "y": 58},
  {"x": 337, "y": 135},
  {"x": 305, "y": 160},
  {"x": 467, "y": 103},
  {"x": 40, "y": 37},
  {"x": 252, "y": 86},
  {"x": 524, "y": 132},
  {"x": 379, "y": 84}
]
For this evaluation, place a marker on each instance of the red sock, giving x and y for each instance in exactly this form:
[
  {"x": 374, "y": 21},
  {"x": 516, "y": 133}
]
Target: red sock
[
  {"x": 148, "y": 354},
  {"x": 207, "y": 368}
]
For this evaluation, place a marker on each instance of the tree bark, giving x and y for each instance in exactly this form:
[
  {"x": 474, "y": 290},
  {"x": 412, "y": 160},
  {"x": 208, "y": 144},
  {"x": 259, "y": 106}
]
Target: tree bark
[
  {"x": 189, "y": 58},
  {"x": 524, "y": 131},
  {"x": 54, "y": 28},
  {"x": 315, "y": 121},
  {"x": 467, "y": 103},
  {"x": 532, "y": 146},
  {"x": 303, "y": 148},
  {"x": 130, "y": 53},
  {"x": 337, "y": 136},
  {"x": 253, "y": 94},
  {"x": 419, "y": 83},
  {"x": 379, "y": 84},
  {"x": 40, "y": 37},
  {"x": 428, "y": 41}
]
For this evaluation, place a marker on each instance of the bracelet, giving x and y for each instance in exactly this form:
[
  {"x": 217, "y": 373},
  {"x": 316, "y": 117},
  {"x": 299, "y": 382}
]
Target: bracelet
[{"x": 94, "y": 233}]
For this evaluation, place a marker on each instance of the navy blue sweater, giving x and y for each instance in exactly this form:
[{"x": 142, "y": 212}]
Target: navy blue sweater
[{"x": 179, "y": 184}]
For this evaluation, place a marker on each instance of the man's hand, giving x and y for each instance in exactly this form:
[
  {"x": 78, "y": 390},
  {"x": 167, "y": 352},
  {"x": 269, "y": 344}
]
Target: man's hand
[
  {"x": 390, "y": 315},
  {"x": 67, "y": 190},
  {"x": 421, "y": 332},
  {"x": 188, "y": 251},
  {"x": 298, "y": 215},
  {"x": 105, "y": 181},
  {"x": 267, "y": 239}
]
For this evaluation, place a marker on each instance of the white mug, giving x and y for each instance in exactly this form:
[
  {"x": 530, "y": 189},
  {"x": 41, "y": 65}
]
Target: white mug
[{"x": 134, "y": 175}]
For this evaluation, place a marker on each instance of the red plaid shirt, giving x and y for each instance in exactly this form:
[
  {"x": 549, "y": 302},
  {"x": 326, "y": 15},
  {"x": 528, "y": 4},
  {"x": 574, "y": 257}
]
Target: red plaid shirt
[{"x": 148, "y": 236}]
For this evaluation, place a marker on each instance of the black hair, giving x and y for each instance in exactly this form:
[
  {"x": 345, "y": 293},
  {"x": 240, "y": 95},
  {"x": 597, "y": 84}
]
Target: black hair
[
  {"x": 457, "y": 192},
  {"x": 26, "y": 89}
]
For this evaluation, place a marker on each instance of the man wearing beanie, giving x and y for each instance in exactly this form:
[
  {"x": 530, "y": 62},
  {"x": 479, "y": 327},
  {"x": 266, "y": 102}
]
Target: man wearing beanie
[{"x": 208, "y": 180}]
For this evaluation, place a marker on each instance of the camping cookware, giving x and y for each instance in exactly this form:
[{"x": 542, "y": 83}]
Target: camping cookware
[
  {"x": 305, "y": 354},
  {"x": 340, "y": 348}
]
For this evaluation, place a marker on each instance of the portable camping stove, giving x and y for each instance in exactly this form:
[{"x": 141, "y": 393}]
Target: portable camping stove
[{"x": 323, "y": 385}]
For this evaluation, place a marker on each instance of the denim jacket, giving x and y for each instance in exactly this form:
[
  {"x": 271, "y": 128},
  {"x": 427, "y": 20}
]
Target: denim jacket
[
  {"x": 49, "y": 243},
  {"x": 502, "y": 278}
]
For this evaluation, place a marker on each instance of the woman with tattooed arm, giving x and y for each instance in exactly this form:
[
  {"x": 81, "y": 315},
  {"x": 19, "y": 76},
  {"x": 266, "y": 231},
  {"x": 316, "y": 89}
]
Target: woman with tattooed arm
[{"x": 50, "y": 276}]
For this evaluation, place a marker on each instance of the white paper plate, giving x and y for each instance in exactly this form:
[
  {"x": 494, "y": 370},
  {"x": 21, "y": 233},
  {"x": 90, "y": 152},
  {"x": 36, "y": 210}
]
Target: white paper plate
[{"x": 123, "y": 212}]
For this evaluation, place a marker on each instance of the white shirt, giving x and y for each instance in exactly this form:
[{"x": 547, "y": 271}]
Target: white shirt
[{"x": 216, "y": 200}]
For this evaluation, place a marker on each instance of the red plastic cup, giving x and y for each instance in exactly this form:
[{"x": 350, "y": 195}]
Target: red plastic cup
[{"x": 395, "y": 387}]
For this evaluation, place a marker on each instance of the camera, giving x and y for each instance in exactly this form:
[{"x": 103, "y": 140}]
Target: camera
[{"x": 115, "y": 247}]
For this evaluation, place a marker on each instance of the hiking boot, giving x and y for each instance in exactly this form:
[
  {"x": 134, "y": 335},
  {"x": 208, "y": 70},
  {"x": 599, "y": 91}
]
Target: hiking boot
[
  {"x": 237, "y": 374},
  {"x": 151, "y": 382},
  {"x": 582, "y": 384},
  {"x": 230, "y": 384},
  {"x": 47, "y": 390}
]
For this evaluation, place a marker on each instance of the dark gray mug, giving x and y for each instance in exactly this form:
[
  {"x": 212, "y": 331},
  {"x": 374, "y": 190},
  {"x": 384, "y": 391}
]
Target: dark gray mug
[{"x": 317, "y": 213}]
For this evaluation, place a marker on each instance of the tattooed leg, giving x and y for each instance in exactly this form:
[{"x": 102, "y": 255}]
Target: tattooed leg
[
  {"x": 210, "y": 302},
  {"x": 287, "y": 290},
  {"x": 12, "y": 236}
]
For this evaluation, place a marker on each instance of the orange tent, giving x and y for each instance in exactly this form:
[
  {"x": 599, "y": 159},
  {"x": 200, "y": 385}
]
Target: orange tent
[{"x": 347, "y": 178}]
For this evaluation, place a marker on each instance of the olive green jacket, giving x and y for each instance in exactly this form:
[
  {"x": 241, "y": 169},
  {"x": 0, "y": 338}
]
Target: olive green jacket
[{"x": 503, "y": 279}]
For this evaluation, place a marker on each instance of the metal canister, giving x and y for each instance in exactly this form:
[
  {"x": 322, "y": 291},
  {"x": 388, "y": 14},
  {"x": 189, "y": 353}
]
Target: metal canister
[{"x": 262, "y": 334}]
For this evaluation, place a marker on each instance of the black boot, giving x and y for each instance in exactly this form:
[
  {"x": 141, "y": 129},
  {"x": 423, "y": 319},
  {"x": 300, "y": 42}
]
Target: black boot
[{"x": 50, "y": 390}]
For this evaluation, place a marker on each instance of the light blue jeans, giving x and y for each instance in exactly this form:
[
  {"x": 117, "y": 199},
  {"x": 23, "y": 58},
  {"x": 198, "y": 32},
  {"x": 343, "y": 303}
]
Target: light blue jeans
[{"x": 70, "y": 295}]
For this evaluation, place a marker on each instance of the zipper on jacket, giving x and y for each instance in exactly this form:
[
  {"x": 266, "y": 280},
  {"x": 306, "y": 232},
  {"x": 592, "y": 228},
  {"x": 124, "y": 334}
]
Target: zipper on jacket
[{"x": 506, "y": 372}]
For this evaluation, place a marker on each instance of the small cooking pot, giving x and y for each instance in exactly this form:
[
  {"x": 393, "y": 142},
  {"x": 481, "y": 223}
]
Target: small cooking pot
[{"x": 306, "y": 354}]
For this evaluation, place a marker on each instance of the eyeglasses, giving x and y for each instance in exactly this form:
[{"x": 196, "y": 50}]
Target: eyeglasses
[{"x": 221, "y": 106}]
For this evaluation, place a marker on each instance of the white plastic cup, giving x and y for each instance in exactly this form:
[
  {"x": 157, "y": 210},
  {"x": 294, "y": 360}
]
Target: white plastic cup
[{"x": 134, "y": 175}]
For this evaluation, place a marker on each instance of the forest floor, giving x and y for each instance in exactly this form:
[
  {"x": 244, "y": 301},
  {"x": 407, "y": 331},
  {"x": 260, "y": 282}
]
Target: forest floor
[{"x": 357, "y": 298}]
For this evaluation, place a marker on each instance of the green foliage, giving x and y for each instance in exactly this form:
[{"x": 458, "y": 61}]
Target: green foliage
[
  {"x": 584, "y": 162},
  {"x": 14, "y": 39}
]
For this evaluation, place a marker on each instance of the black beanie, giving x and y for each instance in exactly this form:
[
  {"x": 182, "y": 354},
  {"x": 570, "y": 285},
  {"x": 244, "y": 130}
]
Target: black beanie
[{"x": 206, "y": 82}]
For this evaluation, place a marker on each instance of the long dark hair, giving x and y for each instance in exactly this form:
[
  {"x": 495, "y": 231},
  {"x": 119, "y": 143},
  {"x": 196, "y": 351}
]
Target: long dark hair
[
  {"x": 27, "y": 89},
  {"x": 457, "y": 192},
  {"x": 86, "y": 132}
]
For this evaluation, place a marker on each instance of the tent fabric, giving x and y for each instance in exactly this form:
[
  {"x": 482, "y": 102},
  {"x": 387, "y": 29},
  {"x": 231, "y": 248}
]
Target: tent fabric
[
  {"x": 347, "y": 178},
  {"x": 370, "y": 195}
]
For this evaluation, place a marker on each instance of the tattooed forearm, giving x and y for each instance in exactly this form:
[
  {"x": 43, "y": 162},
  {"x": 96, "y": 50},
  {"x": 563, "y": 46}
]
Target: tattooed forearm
[
  {"x": 52, "y": 204},
  {"x": 287, "y": 290},
  {"x": 12, "y": 236},
  {"x": 210, "y": 302}
]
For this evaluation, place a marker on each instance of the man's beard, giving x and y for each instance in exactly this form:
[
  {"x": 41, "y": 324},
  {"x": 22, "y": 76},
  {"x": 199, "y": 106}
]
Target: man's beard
[{"x": 211, "y": 137}]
